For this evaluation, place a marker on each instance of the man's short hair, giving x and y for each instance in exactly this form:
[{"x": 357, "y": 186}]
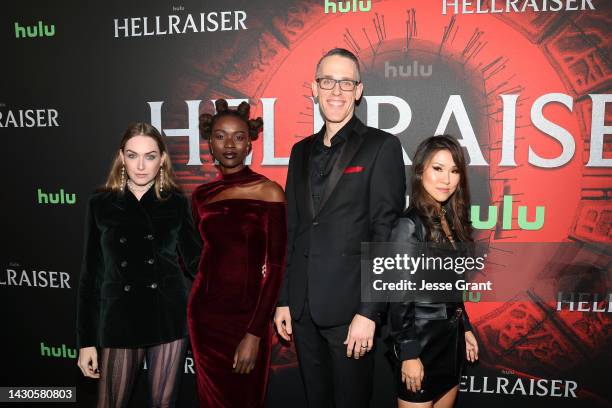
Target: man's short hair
[{"x": 341, "y": 52}]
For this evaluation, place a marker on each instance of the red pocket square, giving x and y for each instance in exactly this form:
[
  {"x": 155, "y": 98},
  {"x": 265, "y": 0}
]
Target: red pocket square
[{"x": 353, "y": 169}]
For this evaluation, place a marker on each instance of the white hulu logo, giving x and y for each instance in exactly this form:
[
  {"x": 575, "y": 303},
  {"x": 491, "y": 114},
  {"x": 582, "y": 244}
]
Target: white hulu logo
[{"x": 407, "y": 71}]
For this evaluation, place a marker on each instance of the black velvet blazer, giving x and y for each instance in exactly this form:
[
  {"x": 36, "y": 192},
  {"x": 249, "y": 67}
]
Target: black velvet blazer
[
  {"x": 132, "y": 291},
  {"x": 425, "y": 330}
]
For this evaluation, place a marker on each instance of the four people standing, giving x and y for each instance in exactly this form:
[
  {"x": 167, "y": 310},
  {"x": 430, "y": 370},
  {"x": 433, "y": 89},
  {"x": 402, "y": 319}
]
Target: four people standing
[{"x": 345, "y": 185}]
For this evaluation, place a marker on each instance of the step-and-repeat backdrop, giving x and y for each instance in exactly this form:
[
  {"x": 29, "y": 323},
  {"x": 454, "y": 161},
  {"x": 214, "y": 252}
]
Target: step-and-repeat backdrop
[{"x": 525, "y": 85}]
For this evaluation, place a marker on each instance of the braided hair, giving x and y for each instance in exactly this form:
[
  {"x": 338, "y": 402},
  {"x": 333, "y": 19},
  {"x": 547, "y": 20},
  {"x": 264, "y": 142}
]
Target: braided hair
[{"x": 242, "y": 112}]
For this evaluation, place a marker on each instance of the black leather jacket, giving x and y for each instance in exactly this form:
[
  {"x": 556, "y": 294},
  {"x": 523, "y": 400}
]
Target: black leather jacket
[{"x": 416, "y": 326}]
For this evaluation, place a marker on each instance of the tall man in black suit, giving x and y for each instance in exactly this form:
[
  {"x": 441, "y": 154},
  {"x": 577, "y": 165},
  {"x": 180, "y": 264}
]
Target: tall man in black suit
[{"x": 345, "y": 185}]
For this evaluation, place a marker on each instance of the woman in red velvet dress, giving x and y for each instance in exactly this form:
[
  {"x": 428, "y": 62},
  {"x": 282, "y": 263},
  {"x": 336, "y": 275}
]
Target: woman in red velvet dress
[{"x": 241, "y": 217}]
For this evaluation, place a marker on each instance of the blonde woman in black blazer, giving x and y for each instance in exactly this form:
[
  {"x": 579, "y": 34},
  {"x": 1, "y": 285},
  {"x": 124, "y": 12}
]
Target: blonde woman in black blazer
[{"x": 132, "y": 297}]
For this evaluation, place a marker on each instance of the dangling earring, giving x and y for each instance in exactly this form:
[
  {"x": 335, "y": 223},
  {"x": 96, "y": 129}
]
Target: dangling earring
[
  {"x": 122, "y": 178},
  {"x": 161, "y": 179}
]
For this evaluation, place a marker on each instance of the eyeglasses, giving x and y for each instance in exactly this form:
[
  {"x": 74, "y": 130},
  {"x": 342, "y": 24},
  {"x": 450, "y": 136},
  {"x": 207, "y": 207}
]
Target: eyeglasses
[{"x": 330, "y": 83}]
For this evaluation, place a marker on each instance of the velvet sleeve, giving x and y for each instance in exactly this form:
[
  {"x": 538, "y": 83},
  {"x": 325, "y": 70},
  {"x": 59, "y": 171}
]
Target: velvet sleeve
[
  {"x": 88, "y": 295},
  {"x": 402, "y": 314},
  {"x": 189, "y": 242},
  {"x": 292, "y": 222},
  {"x": 387, "y": 201},
  {"x": 276, "y": 248}
]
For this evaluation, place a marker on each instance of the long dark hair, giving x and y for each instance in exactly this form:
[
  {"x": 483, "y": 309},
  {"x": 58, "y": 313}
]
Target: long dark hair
[{"x": 456, "y": 206}]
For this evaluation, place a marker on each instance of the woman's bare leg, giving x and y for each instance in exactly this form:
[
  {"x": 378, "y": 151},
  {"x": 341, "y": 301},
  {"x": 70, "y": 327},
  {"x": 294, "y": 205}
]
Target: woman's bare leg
[
  {"x": 448, "y": 399},
  {"x": 406, "y": 404}
]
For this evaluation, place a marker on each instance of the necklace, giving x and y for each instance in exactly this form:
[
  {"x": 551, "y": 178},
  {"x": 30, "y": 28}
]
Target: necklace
[
  {"x": 138, "y": 189},
  {"x": 445, "y": 227}
]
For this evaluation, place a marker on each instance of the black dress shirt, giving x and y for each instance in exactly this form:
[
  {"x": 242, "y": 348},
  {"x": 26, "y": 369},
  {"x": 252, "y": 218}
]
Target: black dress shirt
[{"x": 323, "y": 158}]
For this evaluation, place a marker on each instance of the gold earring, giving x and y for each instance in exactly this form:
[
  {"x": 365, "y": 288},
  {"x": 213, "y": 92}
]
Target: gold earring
[
  {"x": 161, "y": 179},
  {"x": 122, "y": 187}
]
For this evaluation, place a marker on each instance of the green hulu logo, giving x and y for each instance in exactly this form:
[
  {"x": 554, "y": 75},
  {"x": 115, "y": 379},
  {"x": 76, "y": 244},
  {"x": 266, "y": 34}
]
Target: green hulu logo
[
  {"x": 507, "y": 211},
  {"x": 56, "y": 198},
  {"x": 59, "y": 352},
  {"x": 40, "y": 30},
  {"x": 346, "y": 6},
  {"x": 469, "y": 296}
]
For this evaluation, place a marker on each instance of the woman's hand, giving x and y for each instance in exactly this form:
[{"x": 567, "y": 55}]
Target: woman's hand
[
  {"x": 88, "y": 362},
  {"x": 246, "y": 354},
  {"x": 471, "y": 347},
  {"x": 412, "y": 374}
]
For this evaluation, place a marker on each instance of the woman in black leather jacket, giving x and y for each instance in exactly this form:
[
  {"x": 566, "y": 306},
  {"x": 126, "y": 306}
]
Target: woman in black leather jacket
[{"x": 433, "y": 340}]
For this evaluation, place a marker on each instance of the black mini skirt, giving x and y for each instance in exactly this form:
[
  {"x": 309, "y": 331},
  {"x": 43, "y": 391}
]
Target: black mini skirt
[{"x": 442, "y": 341}]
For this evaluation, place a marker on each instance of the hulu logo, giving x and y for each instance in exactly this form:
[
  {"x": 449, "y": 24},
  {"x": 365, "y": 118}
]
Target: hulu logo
[
  {"x": 39, "y": 30},
  {"x": 346, "y": 6},
  {"x": 59, "y": 352},
  {"x": 407, "y": 71},
  {"x": 507, "y": 211},
  {"x": 469, "y": 296},
  {"x": 56, "y": 198}
]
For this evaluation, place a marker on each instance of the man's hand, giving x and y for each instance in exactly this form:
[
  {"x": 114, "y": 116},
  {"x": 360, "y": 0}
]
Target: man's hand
[
  {"x": 282, "y": 321},
  {"x": 360, "y": 337}
]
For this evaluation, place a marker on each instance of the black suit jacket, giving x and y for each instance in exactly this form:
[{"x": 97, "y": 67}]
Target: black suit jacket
[
  {"x": 362, "y": 201},
  {"x": 131, "y": 289}
]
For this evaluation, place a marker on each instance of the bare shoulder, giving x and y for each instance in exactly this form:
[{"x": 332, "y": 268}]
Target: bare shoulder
[{"x": 271, "y": 191}]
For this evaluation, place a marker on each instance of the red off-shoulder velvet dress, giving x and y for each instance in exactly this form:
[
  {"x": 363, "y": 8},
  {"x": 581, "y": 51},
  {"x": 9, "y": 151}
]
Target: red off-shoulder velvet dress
[{"x": 231, "y": 295}]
